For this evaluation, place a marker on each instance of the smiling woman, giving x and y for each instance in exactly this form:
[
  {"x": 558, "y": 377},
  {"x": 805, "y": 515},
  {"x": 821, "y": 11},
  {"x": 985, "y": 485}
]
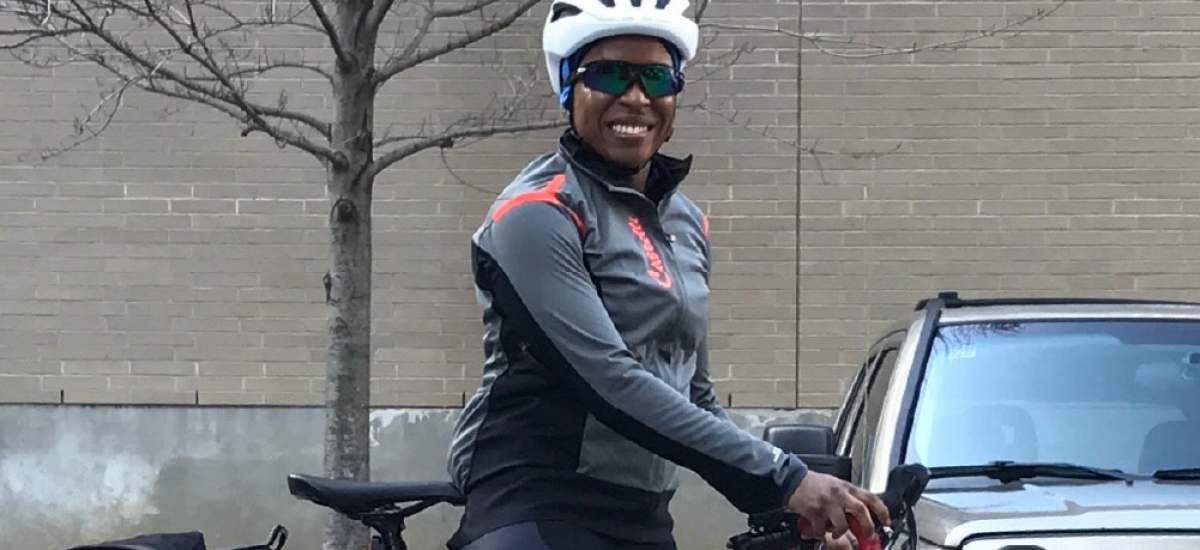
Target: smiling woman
[
  {"x": 625, "y": 109},
  {"x": 592, "y": 271}
]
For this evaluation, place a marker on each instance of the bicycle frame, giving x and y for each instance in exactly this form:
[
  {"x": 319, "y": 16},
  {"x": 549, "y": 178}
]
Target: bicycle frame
[{"x": 384, "y": 507}]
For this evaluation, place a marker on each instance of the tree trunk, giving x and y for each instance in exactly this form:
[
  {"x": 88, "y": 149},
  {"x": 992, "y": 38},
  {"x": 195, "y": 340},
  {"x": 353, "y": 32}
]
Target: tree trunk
[
  {"x": 348, "y": 281},
  {"x": 347, "y": 380}
]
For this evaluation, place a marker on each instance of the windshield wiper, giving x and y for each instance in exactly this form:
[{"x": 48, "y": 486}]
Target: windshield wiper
[
  {"x": 1178, "y": 474},
  {"x": 1007, "y": 471}
]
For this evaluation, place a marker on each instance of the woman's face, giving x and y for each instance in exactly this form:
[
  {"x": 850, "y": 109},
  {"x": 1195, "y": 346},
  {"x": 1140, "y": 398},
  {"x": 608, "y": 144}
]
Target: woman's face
[{"x": 626, "y": 129}]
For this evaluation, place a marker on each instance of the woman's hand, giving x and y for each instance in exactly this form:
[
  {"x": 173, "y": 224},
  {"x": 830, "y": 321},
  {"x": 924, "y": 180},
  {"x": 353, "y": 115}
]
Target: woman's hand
[
  {"x": 840, "y": 543},
  {"x": 825, "y": 502}
]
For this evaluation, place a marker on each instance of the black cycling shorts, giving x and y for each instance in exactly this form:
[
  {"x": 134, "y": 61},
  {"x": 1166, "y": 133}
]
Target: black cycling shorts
[{"x": 554, "y": 535}]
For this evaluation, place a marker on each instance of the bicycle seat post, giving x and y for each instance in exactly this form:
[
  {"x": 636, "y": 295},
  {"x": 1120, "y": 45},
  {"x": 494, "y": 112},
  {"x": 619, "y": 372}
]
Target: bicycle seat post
[
  {"x": 380, "y": 506},
  {"x": 390, "y": 526}
]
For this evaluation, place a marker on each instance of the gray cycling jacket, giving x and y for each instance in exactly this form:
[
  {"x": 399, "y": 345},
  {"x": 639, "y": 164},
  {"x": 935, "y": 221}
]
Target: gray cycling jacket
[{"x": 596, "y": 384}]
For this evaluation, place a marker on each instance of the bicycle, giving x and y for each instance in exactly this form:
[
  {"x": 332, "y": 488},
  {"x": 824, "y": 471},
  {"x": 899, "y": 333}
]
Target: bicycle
[{"x": 384, "y": 507}]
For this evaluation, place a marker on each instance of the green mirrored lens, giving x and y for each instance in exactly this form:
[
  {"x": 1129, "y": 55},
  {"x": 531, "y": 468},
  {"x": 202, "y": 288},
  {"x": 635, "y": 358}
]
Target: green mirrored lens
[
  {"x": 657, "y": 81},
  {"x": 608, "y": 79},
  {"x": 615, "y": 77}
]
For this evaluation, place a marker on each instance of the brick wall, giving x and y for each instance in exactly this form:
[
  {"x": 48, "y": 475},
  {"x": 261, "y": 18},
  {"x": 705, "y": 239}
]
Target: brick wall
[
  {"x": 172, "y": 262},
  {"x": 1058, "y": 162}
]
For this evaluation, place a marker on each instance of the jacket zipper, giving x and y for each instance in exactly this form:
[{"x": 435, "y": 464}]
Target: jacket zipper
[
  {"x": 671, "y": 264},
  {"x": 678, "y": 287}
]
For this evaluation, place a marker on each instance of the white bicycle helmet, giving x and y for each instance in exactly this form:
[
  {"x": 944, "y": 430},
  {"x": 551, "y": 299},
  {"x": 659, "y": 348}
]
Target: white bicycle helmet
[{"x": 573, "y": 24}]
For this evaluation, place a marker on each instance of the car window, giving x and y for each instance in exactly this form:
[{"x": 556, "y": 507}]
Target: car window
[
  {"x": 849, "y": 410},
  {"x": 1107, "y": 394},
  {"x": 868, "y": 420}
]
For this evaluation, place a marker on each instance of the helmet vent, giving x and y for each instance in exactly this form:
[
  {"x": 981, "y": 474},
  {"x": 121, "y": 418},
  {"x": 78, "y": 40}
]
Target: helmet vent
[{"x": 564, "y": 10}]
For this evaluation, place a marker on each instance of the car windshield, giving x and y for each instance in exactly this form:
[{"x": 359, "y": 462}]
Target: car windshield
[{"x": 1105, "y": 394}]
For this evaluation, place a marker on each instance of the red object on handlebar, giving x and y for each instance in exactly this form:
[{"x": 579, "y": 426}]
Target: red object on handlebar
[{"x": 864, "y": 543}]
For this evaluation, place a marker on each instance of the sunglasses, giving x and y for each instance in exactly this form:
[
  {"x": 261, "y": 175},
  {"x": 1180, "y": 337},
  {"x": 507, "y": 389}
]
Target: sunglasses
[{"x": 615, "y": 77}]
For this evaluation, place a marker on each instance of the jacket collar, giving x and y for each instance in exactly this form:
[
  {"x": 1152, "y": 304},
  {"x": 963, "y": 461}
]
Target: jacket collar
[{"x": 666, "y": 172}]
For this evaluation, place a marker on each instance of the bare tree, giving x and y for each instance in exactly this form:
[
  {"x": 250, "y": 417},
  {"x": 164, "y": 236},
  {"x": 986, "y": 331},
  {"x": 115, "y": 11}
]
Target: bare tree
[{"x": 210, "y": 52}]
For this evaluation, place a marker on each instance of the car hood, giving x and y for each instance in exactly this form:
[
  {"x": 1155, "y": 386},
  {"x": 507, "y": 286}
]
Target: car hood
[{"x": 949, "y": 516}]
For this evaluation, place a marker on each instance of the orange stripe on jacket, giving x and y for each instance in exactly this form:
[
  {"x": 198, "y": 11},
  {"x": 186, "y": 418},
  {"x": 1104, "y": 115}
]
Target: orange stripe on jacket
[{"x": 549, "y": 194}]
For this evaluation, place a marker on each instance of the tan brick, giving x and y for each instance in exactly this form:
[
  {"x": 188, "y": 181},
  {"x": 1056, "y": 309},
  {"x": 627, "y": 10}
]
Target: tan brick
[
  {"x": 293, "y": 399},
  {"x": 229, "y": 398},
  {"x": 20, "y": 384},
  {"x": 209, "y": 384},
  {"x": 162, "y": 368},
  {"x": 277, "y": 385},
  {"x": 159, "y": 397},
  {"x": 75, "y": 383},
  {"x": 96, "y": 367},
  {"x": 97, "y": 397},
  {"x": 774, "y": 400},
  {"x": 406, "y": 399},
  {"x": 821, "y": 401},
  {"x": 143, "y": 384},
  {"x": 16, "y": 395}
]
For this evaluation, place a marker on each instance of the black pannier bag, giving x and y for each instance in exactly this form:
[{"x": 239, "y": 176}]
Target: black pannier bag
[{"x": 189, "y": 540}]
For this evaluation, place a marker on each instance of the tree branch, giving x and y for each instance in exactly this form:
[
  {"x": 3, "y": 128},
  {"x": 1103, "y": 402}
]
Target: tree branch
[
  {"x": 345, "y": 62},
  {"x": 812, "y": 150},
  {"x": 254, "y": 112},
  {"x": 273, "y": 65},
  {"x": 876, "y": 50},
  {"x": 386, "y": 139},
  {"x": 147, "y": 82},
  {"x": 457, "y": 178},
  {"x": 464, "y": 9},
  {"x": 82, "y": 126},
  {"x": 401, "y": 63},
  {"x": 418, "y": 36},
  {"x": 373, "y": 18},
  {"x": 701, "y": 7},
  {"x": 32, "y": 35},
  {"x": 714, "y": 63},
  {"x": 817, "y": 160},
  {"x": 226, "y": 96},
  {"x": 448, "y": 140}
]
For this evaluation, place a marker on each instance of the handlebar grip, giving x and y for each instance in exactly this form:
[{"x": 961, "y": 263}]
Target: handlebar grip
[
  {"x": 866, "y": 541},
  {"x": 773, "y": 541},
  {"x": 904, "y": 485},
  {"x": 782, "y": 530}
]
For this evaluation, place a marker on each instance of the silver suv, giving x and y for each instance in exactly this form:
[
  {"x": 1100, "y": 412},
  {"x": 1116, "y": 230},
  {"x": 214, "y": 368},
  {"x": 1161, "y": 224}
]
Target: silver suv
[{"x": 1046, "y": 424}]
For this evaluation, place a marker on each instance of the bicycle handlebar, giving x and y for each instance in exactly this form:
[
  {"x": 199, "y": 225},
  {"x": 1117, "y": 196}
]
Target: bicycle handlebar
[{"x": 781, "y": 529}]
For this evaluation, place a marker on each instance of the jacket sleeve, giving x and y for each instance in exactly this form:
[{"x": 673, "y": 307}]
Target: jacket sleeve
[
  {"x": 531, "y": 260},
  {"x": 702, "y": 393}
]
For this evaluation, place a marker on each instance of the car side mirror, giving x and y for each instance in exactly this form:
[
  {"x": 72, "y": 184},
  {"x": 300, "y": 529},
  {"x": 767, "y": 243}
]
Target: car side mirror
[{"x": 813, "y": 443}]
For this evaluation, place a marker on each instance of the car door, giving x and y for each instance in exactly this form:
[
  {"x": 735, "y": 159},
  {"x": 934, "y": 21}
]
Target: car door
[
  {"x": 858, "y": 426},
  {"x": 850, "y": 416}
]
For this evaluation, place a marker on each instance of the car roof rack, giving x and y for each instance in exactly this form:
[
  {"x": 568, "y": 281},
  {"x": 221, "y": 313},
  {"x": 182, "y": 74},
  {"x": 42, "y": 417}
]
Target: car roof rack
[{"x": 951, "y": 299}]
